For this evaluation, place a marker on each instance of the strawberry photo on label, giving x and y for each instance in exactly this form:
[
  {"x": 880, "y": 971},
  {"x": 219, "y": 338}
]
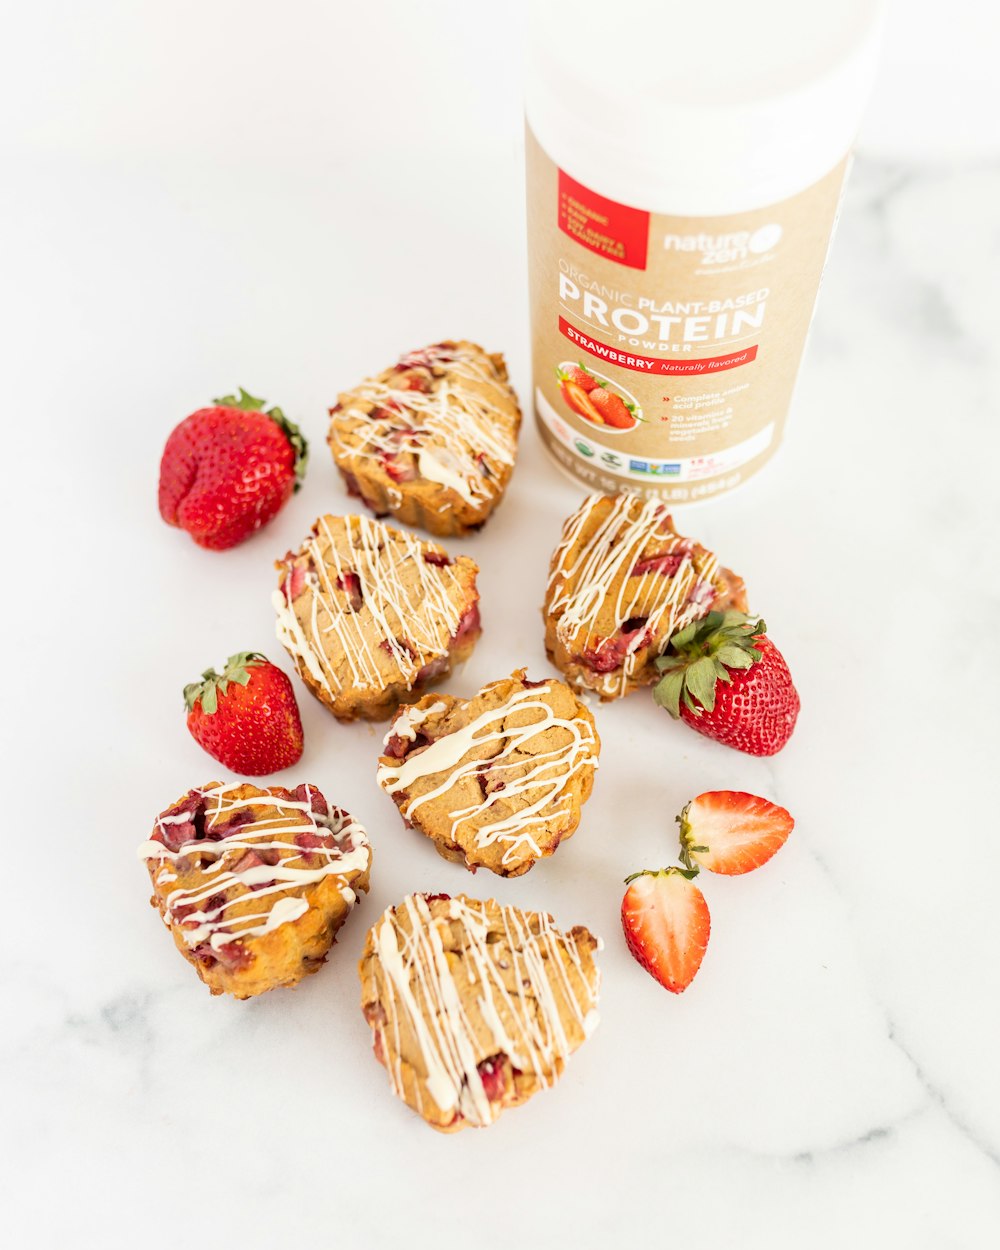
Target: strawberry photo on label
[
  {"x": 228, "y": 469},
  {"x": 613, "y": 410},
  {"x": 666, "y": 923},
  {"x": 724, "y": 677},
  {"x": 731, "y": 832},
  {"x": 591, "y": 399},
  {"x": 246, "y": 717}
]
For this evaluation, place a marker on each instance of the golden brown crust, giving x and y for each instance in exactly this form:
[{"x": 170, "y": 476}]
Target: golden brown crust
[
  {"x": 432, "y": 440},
  {"x": 622, "y": 582},
  {"x": 372, "y": 615},
  {"x": 474, "y": 1007},
  {"x": 255, "y": 882},
  {"x": 509, "y": 793}
]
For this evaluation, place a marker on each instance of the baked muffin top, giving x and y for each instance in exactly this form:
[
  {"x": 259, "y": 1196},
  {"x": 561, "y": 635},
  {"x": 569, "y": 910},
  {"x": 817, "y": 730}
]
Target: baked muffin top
[
  {"x": 475, "y": 1006},
  {"x": 363, "y": 607},
  {"x": 232, "y": 865},
  {"x": 444, "y": 414},
  {"x": 497, "y": 779}
]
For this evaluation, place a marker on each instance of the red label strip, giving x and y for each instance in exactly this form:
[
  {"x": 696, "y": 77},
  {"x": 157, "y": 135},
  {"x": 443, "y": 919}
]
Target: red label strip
[
  {"x": 602, "y": 225},
  {"x": 652, "y": 364}
]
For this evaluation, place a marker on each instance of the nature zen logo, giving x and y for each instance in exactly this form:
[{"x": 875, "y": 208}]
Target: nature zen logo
[{"x": 724, "y": 249}]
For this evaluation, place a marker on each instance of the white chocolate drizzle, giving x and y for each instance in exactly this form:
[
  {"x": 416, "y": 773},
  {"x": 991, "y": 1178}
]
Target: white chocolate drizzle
[
  {"x": 578, "y": 591},
  {"x": 370, "y": 648},
  {"x": 204, "y": 912},
  {"x": 450, "y": 430},
  {"x": 534, "y": 783},
  {"x": 421, "y": 995},
  {"x": 410, "y": 718}
]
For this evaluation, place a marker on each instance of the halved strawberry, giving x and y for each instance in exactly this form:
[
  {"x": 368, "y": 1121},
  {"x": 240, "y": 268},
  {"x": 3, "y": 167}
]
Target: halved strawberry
[
  {"x": 666, "y": 923},
  {"x": 578, "y": 400},
  {"x": 732, "y": 832}
]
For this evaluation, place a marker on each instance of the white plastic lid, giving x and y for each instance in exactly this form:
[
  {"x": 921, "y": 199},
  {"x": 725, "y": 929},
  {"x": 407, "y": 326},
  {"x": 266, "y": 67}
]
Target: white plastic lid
[{"x": 695, "y": 109}]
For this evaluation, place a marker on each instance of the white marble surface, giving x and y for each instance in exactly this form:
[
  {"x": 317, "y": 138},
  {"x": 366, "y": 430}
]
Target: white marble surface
[{"x": 831, "y": 1077}]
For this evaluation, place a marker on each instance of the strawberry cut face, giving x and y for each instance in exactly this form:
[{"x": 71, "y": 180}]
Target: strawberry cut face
[
  {"x": 579, "y": 401},
  {"x": 732, "y": 832},
  {"x": 666, "y": 923}
]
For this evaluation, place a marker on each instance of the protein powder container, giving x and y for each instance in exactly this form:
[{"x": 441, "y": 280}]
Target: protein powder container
[{"x": 685, "y": 165}]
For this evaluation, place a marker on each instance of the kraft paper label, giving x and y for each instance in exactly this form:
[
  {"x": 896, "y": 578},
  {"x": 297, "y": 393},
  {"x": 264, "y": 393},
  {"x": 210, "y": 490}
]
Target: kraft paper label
[{"x": 665, "y": 349}]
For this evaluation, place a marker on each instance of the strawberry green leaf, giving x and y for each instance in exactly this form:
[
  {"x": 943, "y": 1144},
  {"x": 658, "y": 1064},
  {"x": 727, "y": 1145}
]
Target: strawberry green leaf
[
  {"x": 246, "y": 402},
  {"x": 701, "y": 655},
  {"x": 667, "y": 693},
  {"x": 734, "y": 657},
  {"x": 297, "y": 440},
  {"x": 689, "y": 873},
  {"x": 667, "y": 662},
  {"x": 212, "y": 685},
  {"x": 192, "y": 692},
  {"x": 701, "y": 682}
]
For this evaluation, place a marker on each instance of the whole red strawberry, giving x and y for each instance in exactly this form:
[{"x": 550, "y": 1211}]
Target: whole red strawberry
[
  {"x": 723, "y": 677},
  {"x": 246, "y": 717},
  {"x": 227, "y": 470}
]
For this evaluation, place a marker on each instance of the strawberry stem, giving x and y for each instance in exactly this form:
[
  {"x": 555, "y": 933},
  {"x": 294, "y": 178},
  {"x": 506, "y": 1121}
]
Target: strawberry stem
[
  {"x": 690, "y": 873},
  {"x": 246, "y": 402},
  {"x": 212, "y": 684},
  {"x": 701, "y": 655}
]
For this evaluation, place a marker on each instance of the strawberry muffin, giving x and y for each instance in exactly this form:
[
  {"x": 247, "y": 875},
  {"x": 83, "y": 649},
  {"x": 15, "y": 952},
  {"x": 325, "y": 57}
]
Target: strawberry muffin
[
  {"x": 473, "y": 1006},
  {"x": 621, "y": 583},
  {"x": 431, "y": 440},
  {"x": 370, "y": 615},
  {"x": 496, "y": 781},
  {"x": 254, "y": 883}
]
